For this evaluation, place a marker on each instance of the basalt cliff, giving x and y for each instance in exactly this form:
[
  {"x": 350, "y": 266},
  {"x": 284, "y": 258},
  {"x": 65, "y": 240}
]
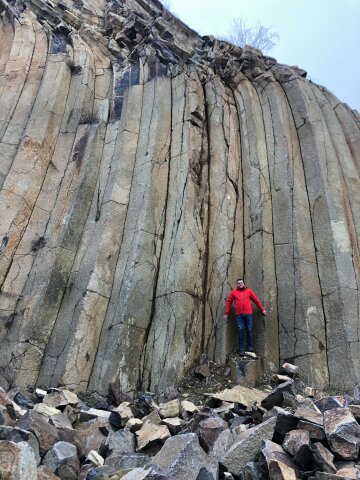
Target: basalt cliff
[{"x": 143, "y": 168}]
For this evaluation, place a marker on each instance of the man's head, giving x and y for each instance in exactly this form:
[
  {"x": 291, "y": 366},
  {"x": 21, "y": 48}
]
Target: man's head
[{"x": 240, "y": 284}]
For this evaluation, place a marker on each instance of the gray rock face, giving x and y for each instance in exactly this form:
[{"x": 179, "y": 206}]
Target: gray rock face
[
  {"x": 324, "y": 458},
  {"x": 246, "y": 446},
  {"x": 182, "y": 457},
  {"x": 140, "y": 176},
  {"x": 275, "y": 463},
  {"x": 297, "y": 443},
  {"x": 63, "y": 458},
  {"x": 44, "y": 473},
  {"x": 342, "y": 432},
  {"x": 126, "y": 461},
  {"x": 93, "y": 434},
  {"x": 150, "y": 473},
  {"x": 46, "y": 434},
  {"x": 209, "y": 431},
  {"x": 17, "y": 461},
  {"x": 17, "y": 435},
  {"x": 275, "y": 398},
  {"x": 122, "y": 441}
]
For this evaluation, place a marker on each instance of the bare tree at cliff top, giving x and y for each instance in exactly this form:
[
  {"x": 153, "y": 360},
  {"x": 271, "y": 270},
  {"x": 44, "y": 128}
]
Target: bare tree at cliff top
[{"x": 257, "y": 35}]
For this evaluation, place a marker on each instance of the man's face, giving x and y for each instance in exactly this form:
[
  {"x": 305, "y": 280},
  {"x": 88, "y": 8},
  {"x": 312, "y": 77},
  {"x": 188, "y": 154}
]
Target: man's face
[{"x": 240, "y": 284}]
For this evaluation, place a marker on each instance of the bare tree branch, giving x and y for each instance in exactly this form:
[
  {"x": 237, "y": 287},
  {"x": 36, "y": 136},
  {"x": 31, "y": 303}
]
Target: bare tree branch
[
  {"x": 257, "y": 35},
  {"x": 167, "y": 4}
]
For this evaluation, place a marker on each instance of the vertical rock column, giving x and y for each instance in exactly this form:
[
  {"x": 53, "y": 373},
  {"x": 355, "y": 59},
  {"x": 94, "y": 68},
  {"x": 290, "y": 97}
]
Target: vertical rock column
[
  {"x": 37, "y": 233},
  {"x": 22, "y": 187},
  {"x": 332, "y": 225},
  {"x": 21, "y": 81},
  {"x": 6, "y": 39},
  {"x": 175, "y": 333},
  {"x": 96, "y": 262},
  {"x": 94, "y": 269},
  {"x": 16, "y": 70},
  {"x": 225, "y": 240},
  {"x": 347, "y": 241},
  {"x": 301, "y": 320},
  {"x": 129, "y": 313},
  {"x": 82, "y": 309},
  {"x": 259, "y": 270},
  {"x": 24, "y": 180}
]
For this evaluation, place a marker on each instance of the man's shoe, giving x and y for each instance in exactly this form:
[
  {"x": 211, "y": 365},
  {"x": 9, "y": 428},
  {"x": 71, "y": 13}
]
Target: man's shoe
[
  {"x": 241, "y": 353},
  {"x": 251, "y": 353}
]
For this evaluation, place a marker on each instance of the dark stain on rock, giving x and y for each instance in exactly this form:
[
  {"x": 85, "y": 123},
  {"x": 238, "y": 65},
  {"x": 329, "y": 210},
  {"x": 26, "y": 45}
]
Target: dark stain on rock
[
  {"x": 4, "y": 242},
  {"x": 130, "y": 77},
  {"x": 79, "y": 149},
  {"x": 56, "y": 288},
  {"x": 37, "y": 244},
  {"x": 58, "y": 43},
  {"x": 89, "y": 118},
  {"x": 74, "y": 69},
  {"x": 156, "y": 68},
  {"x": 10, "y": 320}
]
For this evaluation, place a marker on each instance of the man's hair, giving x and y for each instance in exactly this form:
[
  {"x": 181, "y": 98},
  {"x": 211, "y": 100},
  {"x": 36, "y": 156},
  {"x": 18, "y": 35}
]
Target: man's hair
[{"x": 238, "y": 279}]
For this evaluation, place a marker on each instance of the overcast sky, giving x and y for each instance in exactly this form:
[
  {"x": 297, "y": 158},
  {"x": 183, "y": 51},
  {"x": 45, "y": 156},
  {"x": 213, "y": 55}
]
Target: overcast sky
[{"x": 321, "y": 36}]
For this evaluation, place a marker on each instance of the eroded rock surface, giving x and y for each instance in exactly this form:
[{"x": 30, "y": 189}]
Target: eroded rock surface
[{"x": 143, "y": 169}]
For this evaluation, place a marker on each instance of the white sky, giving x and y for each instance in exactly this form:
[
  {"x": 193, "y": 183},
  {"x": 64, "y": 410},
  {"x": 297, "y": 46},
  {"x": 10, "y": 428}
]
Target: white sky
[{"x": 321, "y": 36}]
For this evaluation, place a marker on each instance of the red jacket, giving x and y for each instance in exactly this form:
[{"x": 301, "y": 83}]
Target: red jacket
[{"x": 242, "y": 301}]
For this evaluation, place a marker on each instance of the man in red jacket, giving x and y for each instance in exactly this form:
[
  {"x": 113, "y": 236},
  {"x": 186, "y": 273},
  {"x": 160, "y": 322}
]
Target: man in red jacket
[{"x": 242, "y": 297}]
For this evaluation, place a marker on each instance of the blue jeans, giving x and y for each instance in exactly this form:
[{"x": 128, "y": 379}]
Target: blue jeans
[{"x": 244, "y": 322}]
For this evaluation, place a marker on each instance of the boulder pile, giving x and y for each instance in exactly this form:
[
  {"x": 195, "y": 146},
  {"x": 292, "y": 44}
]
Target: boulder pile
[{"x": 291, "y": 432}]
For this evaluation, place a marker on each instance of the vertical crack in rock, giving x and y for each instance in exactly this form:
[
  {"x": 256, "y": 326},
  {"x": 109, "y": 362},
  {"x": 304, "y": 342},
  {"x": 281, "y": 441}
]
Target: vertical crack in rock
[
  {"x": 206, "y": 336},
  {"x": 144, "y": 382},
  {"x": 272, "y": 140}
]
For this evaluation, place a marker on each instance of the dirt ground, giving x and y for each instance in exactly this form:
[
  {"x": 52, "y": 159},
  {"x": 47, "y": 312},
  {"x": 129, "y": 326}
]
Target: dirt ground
[{"x": 195, "y": 385}]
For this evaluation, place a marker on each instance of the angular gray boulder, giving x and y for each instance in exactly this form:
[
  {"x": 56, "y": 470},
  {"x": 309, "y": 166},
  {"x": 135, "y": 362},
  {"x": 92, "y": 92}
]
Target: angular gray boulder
[
  {"x": 246, "y": 446},
  {"x": 182, "y": 458},
  {"x": 342, "y": 432},
  {"x": 63, "y": 457},
  {"x": 275, "y": 463}
]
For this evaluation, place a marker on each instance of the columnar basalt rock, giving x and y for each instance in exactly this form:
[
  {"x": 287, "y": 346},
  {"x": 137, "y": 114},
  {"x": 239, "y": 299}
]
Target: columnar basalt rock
[{"x": 144, "y": 168}]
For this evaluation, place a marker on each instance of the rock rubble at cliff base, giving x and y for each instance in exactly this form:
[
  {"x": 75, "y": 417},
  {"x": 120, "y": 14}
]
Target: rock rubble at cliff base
[
  {"x": 289, "y": 431},
  {"x": 143, "y": 169}
]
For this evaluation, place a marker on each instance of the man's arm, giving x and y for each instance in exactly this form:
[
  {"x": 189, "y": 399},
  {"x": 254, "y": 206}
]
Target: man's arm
[
  {"x": 228, "y": 305},
  {"x": 255, "y": 299}
]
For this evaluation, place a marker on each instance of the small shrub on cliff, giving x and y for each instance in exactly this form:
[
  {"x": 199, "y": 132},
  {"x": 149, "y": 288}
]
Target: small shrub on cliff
[{"x": 257, "y": 35}]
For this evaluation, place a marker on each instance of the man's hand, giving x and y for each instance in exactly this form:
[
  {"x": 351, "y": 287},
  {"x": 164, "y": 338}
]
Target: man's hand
[
  {"x": 264, "y": 312},
  {"x": 225, "y": 318}
]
